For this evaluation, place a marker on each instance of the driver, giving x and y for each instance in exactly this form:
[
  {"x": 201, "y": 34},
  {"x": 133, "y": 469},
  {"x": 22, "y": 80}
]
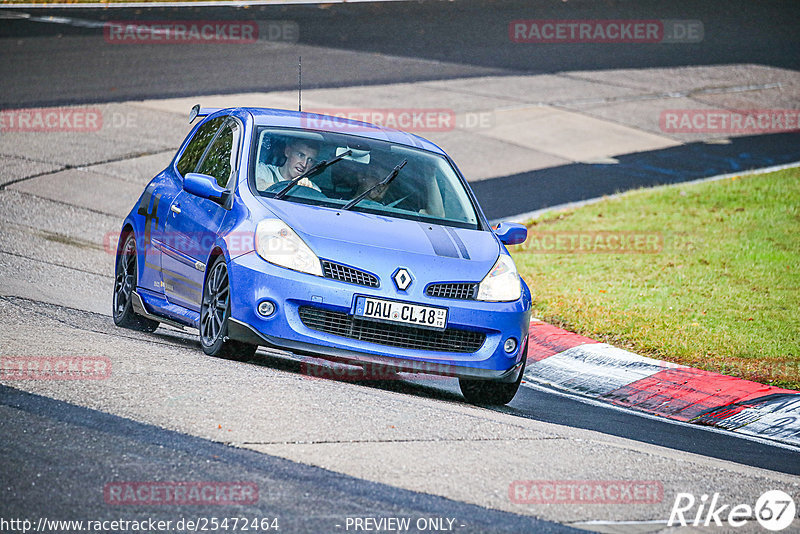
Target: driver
[{"x": 300, "y": 157}]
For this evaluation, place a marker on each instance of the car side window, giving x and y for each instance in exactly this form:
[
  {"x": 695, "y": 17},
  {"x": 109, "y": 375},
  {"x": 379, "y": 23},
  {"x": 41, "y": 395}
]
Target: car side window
[
  {"x": 197, "y": 146},
  {"x": 219, "y": 162}
]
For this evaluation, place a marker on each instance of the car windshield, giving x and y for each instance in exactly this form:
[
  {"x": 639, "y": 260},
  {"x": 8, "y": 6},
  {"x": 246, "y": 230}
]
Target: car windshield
[{"x": 340, "y": 169}]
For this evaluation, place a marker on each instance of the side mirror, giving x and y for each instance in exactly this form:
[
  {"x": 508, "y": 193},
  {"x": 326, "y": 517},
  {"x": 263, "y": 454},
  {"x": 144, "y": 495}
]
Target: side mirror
[
  {"x": 205, "y": 186},
  {"x": 511, "y": 233}
]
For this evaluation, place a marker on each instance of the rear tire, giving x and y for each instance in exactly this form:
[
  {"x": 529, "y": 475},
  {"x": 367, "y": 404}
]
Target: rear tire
[
  {"x": 492, "y": 392},
  {"x": 125, "y": 283},
  {"x": 215, "y": 310}
]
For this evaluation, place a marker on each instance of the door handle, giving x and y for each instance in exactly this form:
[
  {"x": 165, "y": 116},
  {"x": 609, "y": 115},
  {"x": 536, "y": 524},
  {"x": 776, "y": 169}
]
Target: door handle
[{"x": 174, "y": 208}]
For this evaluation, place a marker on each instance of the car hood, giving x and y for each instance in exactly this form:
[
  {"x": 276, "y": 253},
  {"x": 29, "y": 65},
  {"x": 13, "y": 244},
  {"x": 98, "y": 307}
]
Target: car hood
[{"x": 380, "y": 243}]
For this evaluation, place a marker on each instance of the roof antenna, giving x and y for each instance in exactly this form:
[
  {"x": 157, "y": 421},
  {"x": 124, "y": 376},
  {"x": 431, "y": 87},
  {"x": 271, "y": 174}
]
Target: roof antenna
[{"x": 299, "y": 83}]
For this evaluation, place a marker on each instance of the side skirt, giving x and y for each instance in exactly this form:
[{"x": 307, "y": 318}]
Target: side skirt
[{"x": 140, "y": 308}]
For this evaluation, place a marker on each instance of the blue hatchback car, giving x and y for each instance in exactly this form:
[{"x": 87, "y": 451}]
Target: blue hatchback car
[{"x": 326, "y": 237}]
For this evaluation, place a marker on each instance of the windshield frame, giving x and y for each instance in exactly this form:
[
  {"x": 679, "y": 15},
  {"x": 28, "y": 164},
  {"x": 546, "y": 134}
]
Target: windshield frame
[{"x": 480, "y": 224}]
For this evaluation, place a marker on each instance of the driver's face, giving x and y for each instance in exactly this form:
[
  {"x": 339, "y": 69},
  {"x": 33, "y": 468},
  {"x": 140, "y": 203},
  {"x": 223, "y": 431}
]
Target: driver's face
[{"x": 299, "y": 158}]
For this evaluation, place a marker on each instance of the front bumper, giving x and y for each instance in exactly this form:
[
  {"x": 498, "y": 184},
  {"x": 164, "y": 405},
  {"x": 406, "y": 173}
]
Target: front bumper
[{"x": 254, "y": 280}]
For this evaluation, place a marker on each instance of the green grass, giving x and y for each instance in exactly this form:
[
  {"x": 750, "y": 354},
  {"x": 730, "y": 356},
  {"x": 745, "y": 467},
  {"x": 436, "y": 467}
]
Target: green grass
[{"x": 718, "y": 289}]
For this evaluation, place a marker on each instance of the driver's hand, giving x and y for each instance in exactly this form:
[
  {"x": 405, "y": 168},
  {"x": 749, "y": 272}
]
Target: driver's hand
[{"x": 305, "y": 182}]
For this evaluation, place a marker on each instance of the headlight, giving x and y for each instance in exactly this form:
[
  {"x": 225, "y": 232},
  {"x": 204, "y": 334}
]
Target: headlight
[
  {"x": 502, "y": 284},
  {"x": 277, "y": 243}
]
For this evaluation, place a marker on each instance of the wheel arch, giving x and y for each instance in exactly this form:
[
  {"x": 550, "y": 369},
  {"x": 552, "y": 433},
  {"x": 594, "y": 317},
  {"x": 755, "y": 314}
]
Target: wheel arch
[
  {"x": 127, "y": 228},
  {"x": 217, "y": 252}
]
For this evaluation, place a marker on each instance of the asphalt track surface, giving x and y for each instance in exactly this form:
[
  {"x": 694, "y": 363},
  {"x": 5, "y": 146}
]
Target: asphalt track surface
[
  {"x": 60, "y": 445},
  {"x": 436, "y": 40},
  {"x": 63, "y": 481},
  {"x": 529, "y": 403},
  {"x": 61, "y": 455}
]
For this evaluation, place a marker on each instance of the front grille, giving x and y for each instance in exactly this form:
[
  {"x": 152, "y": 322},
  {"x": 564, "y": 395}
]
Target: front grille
[
  {"x": 408, "y": 337},
  {"x": 462, "y": 291},
  {"x": 343, "y": 273}
]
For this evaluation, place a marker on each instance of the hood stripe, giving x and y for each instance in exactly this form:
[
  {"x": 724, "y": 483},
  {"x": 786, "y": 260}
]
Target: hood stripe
[
  {"x": 460, "y": 244},
  {"x": 441, "y": 243}
]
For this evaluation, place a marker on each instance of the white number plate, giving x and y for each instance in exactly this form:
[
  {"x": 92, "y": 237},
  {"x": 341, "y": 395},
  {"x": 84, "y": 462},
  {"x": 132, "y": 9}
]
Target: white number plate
[{"x": 401, "y": 312}]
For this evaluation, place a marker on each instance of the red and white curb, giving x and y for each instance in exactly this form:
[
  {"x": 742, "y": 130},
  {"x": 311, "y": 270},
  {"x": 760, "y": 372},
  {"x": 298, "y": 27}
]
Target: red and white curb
[{"x": 586, "y": 367}]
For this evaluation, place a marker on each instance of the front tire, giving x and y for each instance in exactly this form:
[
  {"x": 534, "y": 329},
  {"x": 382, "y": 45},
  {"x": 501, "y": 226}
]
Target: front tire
[
  {"x": 492, "y": 392},
  {"x": 215, "y": 310},
  {"x": 125, "y": 283}
]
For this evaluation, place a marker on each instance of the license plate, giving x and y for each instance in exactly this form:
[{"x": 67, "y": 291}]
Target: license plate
[{"x": 401, "y": 312}]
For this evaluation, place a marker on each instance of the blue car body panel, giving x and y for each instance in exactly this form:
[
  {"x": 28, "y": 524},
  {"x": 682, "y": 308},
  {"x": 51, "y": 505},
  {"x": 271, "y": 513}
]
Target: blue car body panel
[{"x": 179, "y": 235}]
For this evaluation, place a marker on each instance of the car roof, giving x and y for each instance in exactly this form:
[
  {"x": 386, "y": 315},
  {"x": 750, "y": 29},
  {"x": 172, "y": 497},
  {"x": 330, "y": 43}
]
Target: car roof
[{"x": 327, "y": 123}]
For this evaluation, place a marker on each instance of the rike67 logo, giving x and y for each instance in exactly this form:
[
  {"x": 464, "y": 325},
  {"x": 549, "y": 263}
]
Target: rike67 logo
[{"x": 774, "y": 510}]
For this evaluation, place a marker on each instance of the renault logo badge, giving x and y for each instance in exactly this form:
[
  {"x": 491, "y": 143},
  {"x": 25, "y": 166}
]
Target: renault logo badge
[{"x": 402, "y": 279}]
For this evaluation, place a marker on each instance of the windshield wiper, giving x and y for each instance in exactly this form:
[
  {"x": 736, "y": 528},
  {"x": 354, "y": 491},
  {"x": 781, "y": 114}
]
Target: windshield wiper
[
  {"x": 316, "y": 169},
  {"x": 386, "y": 181}
]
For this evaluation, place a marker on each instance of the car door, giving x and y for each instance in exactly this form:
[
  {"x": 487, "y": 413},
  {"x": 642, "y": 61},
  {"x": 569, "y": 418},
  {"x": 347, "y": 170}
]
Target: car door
[
  {"x": 158, "y": 196},
  {"x": 193, "y": 222}
]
